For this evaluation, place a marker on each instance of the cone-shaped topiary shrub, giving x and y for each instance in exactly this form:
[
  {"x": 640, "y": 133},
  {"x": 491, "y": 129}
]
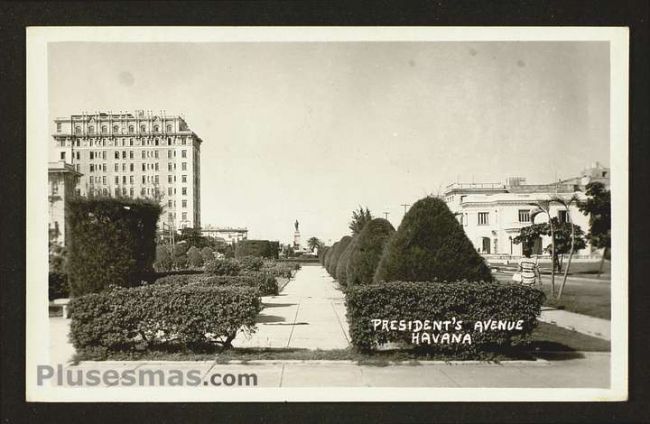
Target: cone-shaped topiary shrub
[
  {"x": 430, "y": 245},
  {"x": 322, "y": 253},
  {"x": 368, "y": 249},
  {"x": 344, "y": 260},
  {"x": 328, "y": 256},
  {"x": 334, "y": 260}
]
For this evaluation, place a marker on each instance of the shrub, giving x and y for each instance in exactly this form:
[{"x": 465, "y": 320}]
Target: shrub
[
  {"x": 466, "y": 301},
  {"x": 328, "y": 258},
  {"x": 334, "y": 259},
  {"x": 369, "y": 247},
  {"x": 156, "y": 316},
  {"x": 279, "y": 269},
  {"x": 322, "y": 254},
  {"x": 259, "y": 248},
  {"x": 251, "y": 263},
  {"x": 194, "y": 257},
  {"x": 341, "y": 274},
  {"x": 58, "y": 286},
  {"x": 430, "y": 245},
  {"x": 207, "y": 254},
  {"x": 163, "y": 260},
  {"x": 223, "y": 267},
  {"x": 264, "y": 282},
  {"x": 112, "y": 241}
]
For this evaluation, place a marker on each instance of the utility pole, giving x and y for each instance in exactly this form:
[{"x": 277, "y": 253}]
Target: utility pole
[
  {"x": 405, "y": 206},
  {"x": 386, "y": 215}
]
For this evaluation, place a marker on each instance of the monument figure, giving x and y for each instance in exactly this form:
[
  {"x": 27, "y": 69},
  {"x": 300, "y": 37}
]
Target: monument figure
[{"x": 296, "y": 236}]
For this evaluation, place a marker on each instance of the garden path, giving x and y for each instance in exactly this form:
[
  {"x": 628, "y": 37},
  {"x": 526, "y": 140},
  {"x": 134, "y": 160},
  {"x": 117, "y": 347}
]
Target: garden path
[{"x": 309, "y": 313}]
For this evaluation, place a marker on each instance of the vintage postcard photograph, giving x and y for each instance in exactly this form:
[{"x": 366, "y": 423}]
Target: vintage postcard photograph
[{"x": 327, "y": 214}]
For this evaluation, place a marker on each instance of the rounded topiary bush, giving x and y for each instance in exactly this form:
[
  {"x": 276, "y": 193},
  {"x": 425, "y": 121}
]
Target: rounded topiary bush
[
  {"x": 344, "y": 260},
  {"x": 430, "y": 245},
  {"x": 328, "y": 257},
  {"x": 368, "y": 249},
  {"x": 322, "y": 253},
  {"x": 336, "y": 254}
]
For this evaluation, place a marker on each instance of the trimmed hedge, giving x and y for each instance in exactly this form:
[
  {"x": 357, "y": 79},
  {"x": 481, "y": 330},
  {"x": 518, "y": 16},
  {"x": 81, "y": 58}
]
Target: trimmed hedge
[
  {"x": 336, "y": 254},
  {"x": 341, "y": 273},
  {"x": 223, "y": 267},
  {"x": 58, "y": 286},
  {"x": 328, "y": 258},
  {"x": 259, "y": 248},
  {"x": 251, "y": 263},
  {"x": 465, "y": 301},
  {"x": 112, "y": 242},
  {"x": 265, "y": 282},
  {"x": 161, "y": 316},
  {"x": 322, "y": 254},
  {"x": 430, "y": 245},
  {"x": 369, "y": 247}
]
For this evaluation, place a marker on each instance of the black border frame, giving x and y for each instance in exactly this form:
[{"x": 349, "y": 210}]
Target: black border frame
[{"x": 15, "y": 17}]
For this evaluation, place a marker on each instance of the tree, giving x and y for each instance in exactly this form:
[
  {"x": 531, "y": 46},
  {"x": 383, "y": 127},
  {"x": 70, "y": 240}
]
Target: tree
[
  {"x": 194, "y": 257},
  {"x": 207, "y": 254},
  {"x": 430, "y": 245},
  {"x": 369, "y": 247},
  {"x": 598, "y": 207},
  {"x": 314, "y": 243},
  {"x": 164, "y": 260},
  {"x": 359, "y": 219},
  {"x": 327, "y": 260},
  {"x": 336, "y": 254},
  {"x": 342, "y": 265},
  {"x": 194, "y": 237}
]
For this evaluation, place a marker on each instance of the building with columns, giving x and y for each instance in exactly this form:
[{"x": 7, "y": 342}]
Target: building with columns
[
  {"x": 136, "y": 155},
  {"x": 492, "y": 214}
]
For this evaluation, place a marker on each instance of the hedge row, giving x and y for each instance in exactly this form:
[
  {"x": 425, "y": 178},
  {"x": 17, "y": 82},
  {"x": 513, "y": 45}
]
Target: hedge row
[
  {"x": 465, "y": 301},
  {"x": 258, "y": 248},
  {"x": 112, "y": 242},
  {"x": 160, "y": 316},
  {"x": 266, "y": 283}
]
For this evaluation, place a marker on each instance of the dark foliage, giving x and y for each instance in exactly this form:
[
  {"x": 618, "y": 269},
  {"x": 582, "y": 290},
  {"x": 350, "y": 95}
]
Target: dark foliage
[
  {"x": 466, "y": 301},
  {"x": 121, "y": 319},
  {"x": 112, "y": 242},
  {"x": 336, "y": 254},
  {"x": 599, "y": 209},
  {"x": 430, "y": 245},
  {"x": 369, "y": 247},
  {"x": 251, "y": 263},
  {"x": 359, "y": 219},
  {"x": 259, "y": 248},
  {"x": 223, "y": 267},
  {"x": 341, "y": 272}
]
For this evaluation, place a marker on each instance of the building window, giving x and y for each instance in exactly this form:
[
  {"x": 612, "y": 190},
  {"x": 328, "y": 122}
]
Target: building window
[
  {"x": 169, "y": 166},
  {"x": 524, "y": 215},
  {"x": 144, "y": 179},
  {"x": 104, "y": 154},
  {"x": 123, "y": 154},
  {"x": 117, "y": 179},
  {"x": 92, "y": 155},
  {"x": 103, "y": 167},
  {"x": 169, "y": 179},
  {"x": 131, "y": 129},
  {"x": 117, "y": 167},
  {"x": 130, "y": 179},
  {"x": 143, "y": 128},
  {"x": 169, "y": 128},
  {"x": 184, "y": 203},
  {"x": 562, "y": 216},
  {"x": 104, "y": 180},
  {"x": 124, "y": 179},
  {"x": 77, "y": 130},
  {"x": 62, "y": 155},
  {"x": 131, "y": 192},
  {"x": 184, "y": 216},
  {"x": 116, "y": 129},
  {"x": 156, "y": 128},
  {"x": 104, "y": 129},
  {"x": 156, "y": 179},
  {"x": 131, "y": 154},
  {"x": 184, "y": 153},
  {"x": 92, "y": 168},
  {"x": 91, "y": 130},
  {"x": 184, "y": 166},
  {"x": 184, "y": 178},
  {"x": 124, "y": 167},
  {"x": 117, "y": 154},
  {"x": 184, "y": 191},
  {"x": 169, "y": 191},
  {"x": 58, "y": 127},
  {"x": 155, "y": 154},
  {"x": 483, "y": 218}
]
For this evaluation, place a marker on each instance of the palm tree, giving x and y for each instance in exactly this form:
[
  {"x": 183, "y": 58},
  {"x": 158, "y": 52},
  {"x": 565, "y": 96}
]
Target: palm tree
[
  {"x": 314, "y": 243},
  {"x": 566, "y": 203},
  {"x": 544, "y": 206}
]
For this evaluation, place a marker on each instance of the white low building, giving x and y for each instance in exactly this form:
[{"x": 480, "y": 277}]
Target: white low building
[{"x": 492, "y": 214}]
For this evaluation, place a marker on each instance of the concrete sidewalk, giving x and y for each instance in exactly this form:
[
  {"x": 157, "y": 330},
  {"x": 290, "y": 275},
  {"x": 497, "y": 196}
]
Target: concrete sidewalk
[
  {"x": 591, "y": 326},
  {"x": 309, "y": 313},
  {"x": 589, "y": 371}
]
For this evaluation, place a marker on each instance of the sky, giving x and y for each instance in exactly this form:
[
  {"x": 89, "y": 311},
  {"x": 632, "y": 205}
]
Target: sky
[{"x": 310, "y": 131}]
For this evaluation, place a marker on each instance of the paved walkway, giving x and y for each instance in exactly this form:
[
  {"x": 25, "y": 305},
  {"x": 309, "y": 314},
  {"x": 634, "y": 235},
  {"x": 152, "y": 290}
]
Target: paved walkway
[
  {"x": 309, "y": 313},
  {"x": 592, "y": 326},
  {"x": 590, "y": 371}
]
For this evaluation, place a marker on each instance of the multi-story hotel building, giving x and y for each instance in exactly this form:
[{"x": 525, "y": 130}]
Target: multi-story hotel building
[{"x": 140, "y": 155}]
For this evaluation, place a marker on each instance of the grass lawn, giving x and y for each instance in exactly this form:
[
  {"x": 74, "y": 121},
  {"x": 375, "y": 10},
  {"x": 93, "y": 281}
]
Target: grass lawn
[
  {"x": 546, "y": 338},
  {"x": 589, "y": 299}
]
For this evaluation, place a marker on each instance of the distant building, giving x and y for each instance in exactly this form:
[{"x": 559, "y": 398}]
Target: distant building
[
  {"x": 229, "y": 235},
  {"x": 492, "y": 214},
  {"x": 139, "y": 155},
  {"x": 62, "y": 180}
]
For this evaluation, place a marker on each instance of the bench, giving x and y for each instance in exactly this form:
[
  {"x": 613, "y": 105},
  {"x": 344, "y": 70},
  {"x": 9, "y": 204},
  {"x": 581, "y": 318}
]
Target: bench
[{"x": 63, "y": 303}]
